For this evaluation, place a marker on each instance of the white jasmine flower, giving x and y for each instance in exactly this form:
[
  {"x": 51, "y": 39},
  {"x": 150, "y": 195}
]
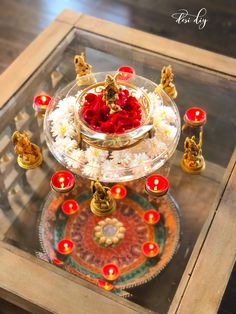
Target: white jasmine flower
[
  {"x": 59, "y": 114},
  {"x": 67, "y": 104},
  {"x": 140, "y": 163},
  {"x": 139, "y": 159},
  {"x": 154, "y": 147},
  {"x": 116, "y": 155},
  {"x": 65, "y": 145},
  {"x": 63, "y": 128},
  {"x": 76, "y": 158},
  {"x": 163, "y": 114},
  {"x": 96, "y": 155},
  {"x": 123, "y": 157},
  {"x": 155, "y": 100},
  {"x": 92, "y": 170},
  {"x": 166, "y": 133},
  {"x": 110, "y": 169}
]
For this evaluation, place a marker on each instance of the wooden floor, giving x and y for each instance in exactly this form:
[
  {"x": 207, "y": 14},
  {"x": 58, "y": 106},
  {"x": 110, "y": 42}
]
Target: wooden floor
[{"x": 22, "y": 20}]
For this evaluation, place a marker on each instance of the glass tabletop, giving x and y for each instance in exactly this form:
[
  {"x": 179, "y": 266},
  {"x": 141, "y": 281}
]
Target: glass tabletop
[{"x": 23, "y": 192}]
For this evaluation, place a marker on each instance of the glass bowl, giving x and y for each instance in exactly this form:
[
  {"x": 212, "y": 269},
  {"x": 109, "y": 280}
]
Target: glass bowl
[{"x": 112, "y": 157}]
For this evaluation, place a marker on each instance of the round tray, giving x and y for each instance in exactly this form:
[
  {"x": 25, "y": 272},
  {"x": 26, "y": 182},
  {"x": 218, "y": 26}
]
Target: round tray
[{"x": 88, "y": 257}]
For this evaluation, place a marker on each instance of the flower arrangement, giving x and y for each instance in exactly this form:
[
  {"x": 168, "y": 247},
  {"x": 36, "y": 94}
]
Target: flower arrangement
[
  {"x": 111, "y": 165},
  {"x": 99, "y": 116}
]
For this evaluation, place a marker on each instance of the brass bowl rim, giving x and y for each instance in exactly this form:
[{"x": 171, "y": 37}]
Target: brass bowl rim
[{"x": 112, "y": 135}]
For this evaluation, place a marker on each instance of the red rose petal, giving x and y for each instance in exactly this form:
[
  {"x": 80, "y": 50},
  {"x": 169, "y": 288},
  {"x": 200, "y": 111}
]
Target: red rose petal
[
  {"x": 91, "y": 98},
  {"x": 96, "y": 112}
]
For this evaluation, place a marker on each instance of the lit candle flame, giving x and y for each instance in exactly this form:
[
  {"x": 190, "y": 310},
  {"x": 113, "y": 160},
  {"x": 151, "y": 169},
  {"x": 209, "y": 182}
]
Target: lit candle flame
[
  {"x": 107, "y": 286},
  {"x": 66, "y": 246},
  {"x": 61, "y": 180},
  {"x": 151, "y": 216},
  {"x": 43, "y": 98},
  {"x": 118, "y": 190}
]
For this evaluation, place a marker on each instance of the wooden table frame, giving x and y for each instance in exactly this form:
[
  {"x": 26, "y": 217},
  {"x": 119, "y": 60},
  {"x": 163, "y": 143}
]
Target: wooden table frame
[{"x": 40, "y": 287}]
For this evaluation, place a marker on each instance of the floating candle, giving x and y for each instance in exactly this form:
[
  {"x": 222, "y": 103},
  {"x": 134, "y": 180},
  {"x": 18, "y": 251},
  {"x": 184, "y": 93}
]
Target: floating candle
[
  {"x": 195, "y": 116},
  {"x": 151, "y": 217},
  {"x": 105, "y": 285},
  {"x": 41, "y": 102},
  {"x": 70, "y": 207},
  {"x": 118, "y": 191},
  {"x": 62, "y": 181},
  {"x": 157, "y": 185},
  {"x": 110, "y": 272},
  {"x": 150, "y": 249},
  {"x": 65, "y": 246},
  {"x": 125, "y": 73}
]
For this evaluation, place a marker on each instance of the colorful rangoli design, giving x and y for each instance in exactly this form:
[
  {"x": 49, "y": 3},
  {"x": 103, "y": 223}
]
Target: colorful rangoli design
[{"x": 89, "y": 256}]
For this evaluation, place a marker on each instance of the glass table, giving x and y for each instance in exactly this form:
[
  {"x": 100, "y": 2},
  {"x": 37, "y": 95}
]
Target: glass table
[{"x": 23, "y": 192}]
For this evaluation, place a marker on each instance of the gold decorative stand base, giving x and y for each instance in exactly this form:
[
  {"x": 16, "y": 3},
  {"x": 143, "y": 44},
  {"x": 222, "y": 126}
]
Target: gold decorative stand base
[
  {"x": 29, "y": 155},
  {"x": 98, "y": 211},
  {"x": 29, "y": 166},
  {"x": 193, "y": 169}
]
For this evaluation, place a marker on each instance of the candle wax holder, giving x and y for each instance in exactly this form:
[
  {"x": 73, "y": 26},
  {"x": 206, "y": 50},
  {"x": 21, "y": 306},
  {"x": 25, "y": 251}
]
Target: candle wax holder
[
  {"x": 65, "y": 246},
  {"x": 157, "y": 185},
  {"x": 57, "y": 262},
  {"x": 110, "y": 272},
  {"x": 118, "y": 191},
  {"x": 62, "y": 181},
  {"x": 150, "y": 249},
  {"x": 70, "y": 207},
  {"x": 151, "y": 217},
  {"x": 195, "y": 117},
  {"x": 41, "y": 102},
  {"x": 105, "y": 285},
  {"x": 125, "y": 73}
]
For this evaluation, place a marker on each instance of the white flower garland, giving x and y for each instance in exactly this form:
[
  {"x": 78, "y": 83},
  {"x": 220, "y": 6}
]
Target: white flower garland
[{"x": 93, "y": 162}]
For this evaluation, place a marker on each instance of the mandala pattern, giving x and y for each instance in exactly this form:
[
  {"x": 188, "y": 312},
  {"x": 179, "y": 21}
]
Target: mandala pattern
[{"x": 89, "y": 256}]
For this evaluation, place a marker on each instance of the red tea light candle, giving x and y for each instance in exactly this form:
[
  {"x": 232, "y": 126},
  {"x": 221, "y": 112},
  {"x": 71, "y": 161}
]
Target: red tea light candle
[
  {"x": 41, "y": 102},
  {"x": 150, "y": 249},
  {"x": 62, "y": 181},
  {"x": 70, "y": 207},
  {"x": 195, "y": 116},
  {"x": 110, "y": 272},
  {"x": 157, "y": 185},
  {"x": 125, "y": 73},
  {"x": 105, "y": 285},
  {"x": 151, "y": 217},
  {"x": 65, "y": 246},
  {"x": 118, "y": 191}
]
